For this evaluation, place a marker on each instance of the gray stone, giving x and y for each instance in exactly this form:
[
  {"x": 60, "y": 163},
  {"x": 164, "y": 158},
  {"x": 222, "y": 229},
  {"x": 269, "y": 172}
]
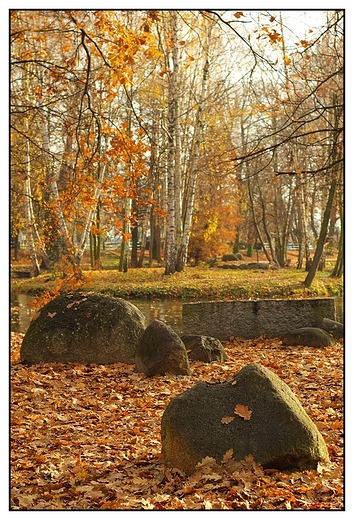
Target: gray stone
[
  {"x": 309, "y": 337},
  {"x": 254, "y": 318},
  {"x": 333, "y": 327},
  {"x": 201, "y": 422},
  {"x": 83, "y": 328},
  {"x": 253, "y": 265},
  {"x": 227, "y": 257},
  {"x": 161, "y": 351},
  {"x": 204, "y": 348}
]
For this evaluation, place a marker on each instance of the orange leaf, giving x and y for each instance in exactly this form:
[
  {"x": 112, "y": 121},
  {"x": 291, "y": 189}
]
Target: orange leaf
[{"x": 243, "y": 411}]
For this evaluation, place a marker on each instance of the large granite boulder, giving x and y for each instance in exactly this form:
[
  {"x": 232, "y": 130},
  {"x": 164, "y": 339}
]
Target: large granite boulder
[
  {"x": 204, "y": 348},
  {"x": 161, "y": 351},
  {"x": 255, "y": 413},
  {"x": 308, "y": 337},
  {"x": 84, "y": 328}
]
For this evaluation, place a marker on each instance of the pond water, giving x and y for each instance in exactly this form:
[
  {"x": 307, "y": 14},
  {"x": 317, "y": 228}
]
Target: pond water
[{"x": 168, "y": 311}]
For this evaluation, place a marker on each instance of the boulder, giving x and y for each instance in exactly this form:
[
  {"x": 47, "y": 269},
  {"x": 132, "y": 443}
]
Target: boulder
[
  {"x": 204, "y": 348},
  {"x": 333, "y": 327},
  {"x": 161, "y": 351},
  {"x": 83, "y": 328},
  {"x": 229, "y": 257},
  {"x": 255, "y": 414},
  {"x": 253, "y": 265},
  {"x": 309, "y": 337}
]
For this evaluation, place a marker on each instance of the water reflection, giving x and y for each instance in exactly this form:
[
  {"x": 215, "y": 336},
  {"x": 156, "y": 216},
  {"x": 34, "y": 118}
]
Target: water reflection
[{"x": 168, "y": 311}]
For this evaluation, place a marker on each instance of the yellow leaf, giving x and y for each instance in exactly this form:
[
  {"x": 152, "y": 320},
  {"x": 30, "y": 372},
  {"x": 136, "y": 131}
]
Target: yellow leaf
[{"x": 243, "y": 411}]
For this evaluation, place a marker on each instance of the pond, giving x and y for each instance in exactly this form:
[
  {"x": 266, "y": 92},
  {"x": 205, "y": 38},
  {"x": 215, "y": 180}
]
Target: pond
[{"x": 168, "y": 311}]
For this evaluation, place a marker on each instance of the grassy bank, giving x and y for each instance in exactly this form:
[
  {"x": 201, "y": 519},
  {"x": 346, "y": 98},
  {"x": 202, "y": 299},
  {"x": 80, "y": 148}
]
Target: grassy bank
[{"x": 195, "y": 282}]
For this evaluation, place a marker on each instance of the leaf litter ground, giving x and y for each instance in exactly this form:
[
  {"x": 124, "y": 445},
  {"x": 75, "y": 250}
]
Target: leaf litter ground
[{"x": 88, "y": 437}]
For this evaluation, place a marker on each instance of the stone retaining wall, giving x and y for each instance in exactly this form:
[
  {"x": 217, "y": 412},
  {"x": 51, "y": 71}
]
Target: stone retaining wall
[{"x": 254, "y": 318}]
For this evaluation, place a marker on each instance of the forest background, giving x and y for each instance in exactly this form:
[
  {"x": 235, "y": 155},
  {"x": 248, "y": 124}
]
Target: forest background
[{"x": 226, "y": 159}]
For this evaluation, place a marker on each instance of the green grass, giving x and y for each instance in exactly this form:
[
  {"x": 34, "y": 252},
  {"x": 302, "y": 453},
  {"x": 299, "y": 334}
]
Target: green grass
[{"x": 195, "y": 283}]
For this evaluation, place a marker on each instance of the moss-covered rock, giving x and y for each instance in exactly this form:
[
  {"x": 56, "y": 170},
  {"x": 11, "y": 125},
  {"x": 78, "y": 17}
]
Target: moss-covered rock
[
  {"x": 309, "y": 337},
  {"x": 83, "y": 328},
  {"x": 204, "y": 348},
  {"x": 207, "y": 421},
  {"x": 161, "y": 351}
]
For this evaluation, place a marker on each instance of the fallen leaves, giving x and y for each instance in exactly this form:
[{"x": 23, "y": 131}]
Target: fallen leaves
[
  {"x": 88, "y": 437},
  {"x": 227, "y": 420},
  {"x": 243, "y": 411},
  {"x": 240, "y": 410}
]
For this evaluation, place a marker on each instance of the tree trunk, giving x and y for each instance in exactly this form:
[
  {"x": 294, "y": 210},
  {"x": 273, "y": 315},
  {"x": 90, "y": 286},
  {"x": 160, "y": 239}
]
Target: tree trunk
[
  {"x": 134, "y": 235},
  {"x": 188, "y": 202},
  {"x": 29, "y": 215},
  {"x": 323, "y": 235},
  {"x": 170, "y": 251},
  {"x": 338, "y": 268},
  {"x": 304, "y": 247},
  {"x": 30, "y": 222}
]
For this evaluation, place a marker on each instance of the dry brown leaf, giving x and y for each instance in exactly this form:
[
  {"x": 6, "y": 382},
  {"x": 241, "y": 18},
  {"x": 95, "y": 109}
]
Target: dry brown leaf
[
  {"x": 243, "y": 411},
  {"x": 227, "y": 456},
  {"x": 227, "y": 419},
  {"x": 207, "y": 461}
]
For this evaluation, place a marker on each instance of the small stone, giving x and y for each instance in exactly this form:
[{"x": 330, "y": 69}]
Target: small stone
[
  {"x": 309, "y": 337},
  {"x": 204, "y": 348},
  {"x": 161, "y": 351}
]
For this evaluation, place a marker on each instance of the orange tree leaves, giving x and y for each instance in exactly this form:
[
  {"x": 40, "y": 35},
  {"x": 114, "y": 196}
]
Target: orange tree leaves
[{"x": 88, "y": 437}]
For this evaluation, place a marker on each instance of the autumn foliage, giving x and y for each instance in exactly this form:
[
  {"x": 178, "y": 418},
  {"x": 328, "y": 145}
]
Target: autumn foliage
[{"x": 188, "y": 128}]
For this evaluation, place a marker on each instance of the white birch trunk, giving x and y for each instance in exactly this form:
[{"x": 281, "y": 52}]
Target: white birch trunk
[
  {"x": 29, "y": 214},
  {"x": 170, "y": 252},
  {"x": 192, "y": 181},
  {"x": 30, "y": 217}
]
